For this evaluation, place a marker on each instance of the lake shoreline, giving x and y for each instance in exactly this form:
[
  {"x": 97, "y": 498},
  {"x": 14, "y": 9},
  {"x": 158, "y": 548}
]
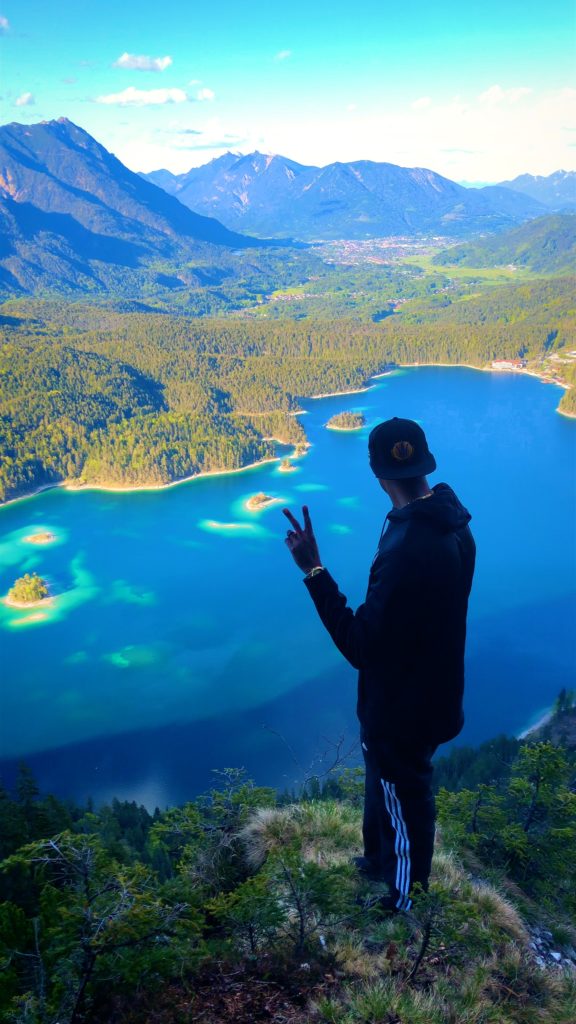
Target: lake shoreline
[
  {"x": 110, "y": 488},
  {"x": 67, "y": 485},
  {"x": 40, "y": 538},
  {"x": 542, "y": 721},
  {"x": 338, "y": 394},
  {"x": 25, "y": 605}
]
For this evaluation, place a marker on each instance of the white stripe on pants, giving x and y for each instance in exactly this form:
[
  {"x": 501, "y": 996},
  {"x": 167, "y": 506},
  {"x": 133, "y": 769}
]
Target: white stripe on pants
[{"x": 401, "y": 844}]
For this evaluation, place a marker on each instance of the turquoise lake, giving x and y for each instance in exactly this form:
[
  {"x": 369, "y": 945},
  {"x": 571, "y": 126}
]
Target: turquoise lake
[{"x": 182, "y": 639}]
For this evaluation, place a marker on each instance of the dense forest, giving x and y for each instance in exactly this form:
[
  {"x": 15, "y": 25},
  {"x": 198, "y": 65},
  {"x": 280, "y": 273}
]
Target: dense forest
[
  {"x": 28, "y": 589},
  {"x": 242, "y": 905},
  {"x": 346, "y": 421},
  {"x": 129, "y": 396},
  {"x": 546, "y": 244}
]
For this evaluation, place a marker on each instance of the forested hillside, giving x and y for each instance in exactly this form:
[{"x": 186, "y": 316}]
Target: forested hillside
[
  {"x": 243, "y": 905},
  {"x": 546, "y": 245},
  {"x": 93, "y": 395}
]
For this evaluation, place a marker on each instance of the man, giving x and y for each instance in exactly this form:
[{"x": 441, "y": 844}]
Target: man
[{"x": 407, "y": 641}]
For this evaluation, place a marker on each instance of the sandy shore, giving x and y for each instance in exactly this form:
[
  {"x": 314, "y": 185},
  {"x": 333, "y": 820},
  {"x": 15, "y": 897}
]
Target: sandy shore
[
  {"x": 45, "y": 602},
  {"x": 338, "y": 394},
  {"x": 172, "y": 483},
  {"x": 465, "y": 366},
  {"x": 31, "y": 494},
  {"x": 543, "y": 720},
  {"x": 254, "y": 505},
  {"x": 68, "y": 485},
  {"x": 39, "y": 538}
]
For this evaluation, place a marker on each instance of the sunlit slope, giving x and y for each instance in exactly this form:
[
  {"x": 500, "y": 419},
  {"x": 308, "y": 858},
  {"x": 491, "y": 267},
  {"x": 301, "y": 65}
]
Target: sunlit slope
[
  {"x": 546, "y": 245},
  {"x": 179, "y": 395}
]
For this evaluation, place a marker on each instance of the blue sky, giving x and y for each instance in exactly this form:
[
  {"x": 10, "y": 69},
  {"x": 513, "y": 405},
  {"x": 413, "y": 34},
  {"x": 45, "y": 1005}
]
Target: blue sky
[{"x": 478, "y": 93}]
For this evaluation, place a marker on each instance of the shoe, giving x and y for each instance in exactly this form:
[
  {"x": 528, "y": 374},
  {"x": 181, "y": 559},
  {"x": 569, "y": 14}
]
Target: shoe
[
  {"x": 383, "y": 902},
  {"x": 384, "y": 905},
  {"x": 365, "y": 867}
]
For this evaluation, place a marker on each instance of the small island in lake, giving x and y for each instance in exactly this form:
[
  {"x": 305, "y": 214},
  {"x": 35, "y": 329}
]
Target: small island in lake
[
  {"x": 28, "y": 591},
  {"x": 286, "y": 466},
  {"x": 44, "y": 537},
  {"x": 346, "y": 421},
  {"x": 259, "y": 501}
]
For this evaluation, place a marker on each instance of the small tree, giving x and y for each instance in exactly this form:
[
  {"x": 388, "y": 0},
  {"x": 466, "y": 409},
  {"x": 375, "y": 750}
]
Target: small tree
[
  {"x": 528, "y": 825},
  {"x": 347, "y": 421},
  {"x": 312, "y": 896},
  {"x": 251, "y": 913},
  {"x": 565, "y": 701},
  {"x": 201, "y": 838},
  {"x": 97, "y": 921},
  {"x": 28, "y": 589}
]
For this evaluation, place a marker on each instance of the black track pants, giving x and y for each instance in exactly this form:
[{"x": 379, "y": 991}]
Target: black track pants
[{"x": 399, "y": 813}]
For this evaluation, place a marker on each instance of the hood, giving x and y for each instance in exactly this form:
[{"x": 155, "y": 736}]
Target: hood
[{"x": 443, "y": 509}]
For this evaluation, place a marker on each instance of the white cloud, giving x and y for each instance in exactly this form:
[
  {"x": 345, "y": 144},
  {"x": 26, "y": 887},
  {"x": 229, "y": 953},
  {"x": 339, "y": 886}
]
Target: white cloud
[
  {"x": 141, "y": 62},
  {"x": 511, "y": 132},
  {"x": 457, "y": 136},
  {"x": 496, "y": 95},
  {"x": 177, "y": 147},
  {"x": 205, "y": 95},
  {"x": 351, "y": 107},
  {"x": 283, "y": 55},
  {"x": 421, "y": 104},
  {"x": 25, "y": 100},
  {"x": 4, "y": 24},
  {"x": 132, "y": 97}
]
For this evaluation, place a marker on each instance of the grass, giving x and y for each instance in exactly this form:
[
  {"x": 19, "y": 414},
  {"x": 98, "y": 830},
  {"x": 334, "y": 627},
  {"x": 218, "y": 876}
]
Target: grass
[
  {"x": 495, "y": 274},
  {"x": 477, "y": 967}
]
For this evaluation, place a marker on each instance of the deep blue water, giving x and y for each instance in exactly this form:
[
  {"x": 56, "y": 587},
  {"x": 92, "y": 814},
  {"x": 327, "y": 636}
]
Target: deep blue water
[{"x": 183, "y": 639}]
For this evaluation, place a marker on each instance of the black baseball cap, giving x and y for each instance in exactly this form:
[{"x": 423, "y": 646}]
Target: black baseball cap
[{"x": 398, "y": 449}]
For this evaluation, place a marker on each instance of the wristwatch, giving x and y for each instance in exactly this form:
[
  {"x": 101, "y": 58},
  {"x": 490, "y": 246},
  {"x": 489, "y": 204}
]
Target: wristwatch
[{"x": 314, "y": 572}]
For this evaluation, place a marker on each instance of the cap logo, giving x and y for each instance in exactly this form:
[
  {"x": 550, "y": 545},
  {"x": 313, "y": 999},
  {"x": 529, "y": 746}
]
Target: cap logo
[{"x": 402, "y": 450}]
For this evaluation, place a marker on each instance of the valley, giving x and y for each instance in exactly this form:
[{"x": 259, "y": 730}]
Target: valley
[{"x": 144, "y": 343}]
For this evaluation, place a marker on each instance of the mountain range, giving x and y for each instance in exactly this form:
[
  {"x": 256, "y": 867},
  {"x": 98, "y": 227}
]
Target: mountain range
[
  {"x": 273, "y": 195},
  {"x": 73, "y": 218},
  {"x": 73, "y": 214},
  {"x": 557, "y": 191}
]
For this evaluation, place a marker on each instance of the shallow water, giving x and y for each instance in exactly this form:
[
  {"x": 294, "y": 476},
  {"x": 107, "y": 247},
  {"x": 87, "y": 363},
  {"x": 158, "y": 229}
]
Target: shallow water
[{"x": 182, "y": 639}]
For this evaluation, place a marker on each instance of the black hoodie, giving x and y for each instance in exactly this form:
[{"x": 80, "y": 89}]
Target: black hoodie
[{"x": 407, "y": 639}]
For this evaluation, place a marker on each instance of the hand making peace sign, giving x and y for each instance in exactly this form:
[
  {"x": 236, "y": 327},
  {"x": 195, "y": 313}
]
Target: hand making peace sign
[{"x": 301, "y": 542}]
